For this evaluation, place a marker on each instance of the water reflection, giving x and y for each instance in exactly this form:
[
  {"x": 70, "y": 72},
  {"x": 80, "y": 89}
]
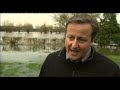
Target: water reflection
[
  {"x": 33, "y": 41},
  {"x": 52, "y": 45},
  {"x": 26, "y": 51}
]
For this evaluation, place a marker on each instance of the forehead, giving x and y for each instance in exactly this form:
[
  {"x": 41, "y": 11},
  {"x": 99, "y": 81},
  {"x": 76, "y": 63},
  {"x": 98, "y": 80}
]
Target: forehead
[{"x": 79, "y": 29}]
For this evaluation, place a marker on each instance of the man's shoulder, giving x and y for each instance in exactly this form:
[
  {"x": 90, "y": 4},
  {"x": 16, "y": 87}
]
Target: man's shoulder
[
  {"x": 55, "y": 53},
  {"x": 105, "y": 60}
]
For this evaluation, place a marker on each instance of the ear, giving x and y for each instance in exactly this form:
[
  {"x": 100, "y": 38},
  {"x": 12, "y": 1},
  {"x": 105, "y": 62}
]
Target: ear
[{"x": 92, "y": 41}]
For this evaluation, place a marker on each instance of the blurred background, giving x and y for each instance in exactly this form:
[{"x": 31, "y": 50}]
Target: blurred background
[{"x": 27, "y": 38}]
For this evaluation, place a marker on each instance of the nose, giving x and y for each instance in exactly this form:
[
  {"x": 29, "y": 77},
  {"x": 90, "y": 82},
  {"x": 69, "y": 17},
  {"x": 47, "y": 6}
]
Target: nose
[{"x": 74, "y": 44}]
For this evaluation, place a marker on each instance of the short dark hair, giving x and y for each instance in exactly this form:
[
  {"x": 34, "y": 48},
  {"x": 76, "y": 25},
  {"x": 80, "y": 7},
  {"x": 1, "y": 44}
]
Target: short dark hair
[{"x": 85, "y": 18}]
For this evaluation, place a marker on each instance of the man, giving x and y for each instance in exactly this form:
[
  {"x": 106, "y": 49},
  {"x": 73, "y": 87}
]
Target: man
[{"x": 78, "y": 58}]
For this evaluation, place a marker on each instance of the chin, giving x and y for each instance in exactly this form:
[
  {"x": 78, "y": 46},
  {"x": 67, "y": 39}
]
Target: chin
[{"x": 74, "y": 59}]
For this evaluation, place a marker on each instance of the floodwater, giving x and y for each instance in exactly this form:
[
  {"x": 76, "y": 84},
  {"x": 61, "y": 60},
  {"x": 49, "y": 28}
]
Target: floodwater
[
  {"x": 29, "y": 50},
  {"x": 22, "y": 54}
]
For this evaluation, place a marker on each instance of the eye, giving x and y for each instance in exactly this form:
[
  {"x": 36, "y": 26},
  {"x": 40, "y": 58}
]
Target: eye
[
  {"x": 71, "y": 37},
  {"x": 81, "y": 40}
]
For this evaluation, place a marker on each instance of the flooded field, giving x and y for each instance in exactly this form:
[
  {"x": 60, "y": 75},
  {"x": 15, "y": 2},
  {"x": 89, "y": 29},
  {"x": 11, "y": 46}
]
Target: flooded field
[{"x": 24, "y": 57}]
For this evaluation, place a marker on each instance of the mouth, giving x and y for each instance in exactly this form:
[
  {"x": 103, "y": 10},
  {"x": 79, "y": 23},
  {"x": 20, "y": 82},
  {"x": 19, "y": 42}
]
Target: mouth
[{"x": 74, "y": 52}]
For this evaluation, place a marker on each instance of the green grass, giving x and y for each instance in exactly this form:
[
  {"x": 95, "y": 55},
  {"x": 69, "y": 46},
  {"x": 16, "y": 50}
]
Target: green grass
[
  {"x": 110, "y": 53},
  {"x": 115, "y": 59},
  {"x": 107, "y": 51},
  {"x": 20, "y": 69},
  {"x": 33, "y": 69},
  {"x": 33, "y": 66}
]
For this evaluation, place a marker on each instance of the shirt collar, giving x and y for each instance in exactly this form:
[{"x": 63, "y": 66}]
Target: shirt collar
[{"x": 84, "y": 58}]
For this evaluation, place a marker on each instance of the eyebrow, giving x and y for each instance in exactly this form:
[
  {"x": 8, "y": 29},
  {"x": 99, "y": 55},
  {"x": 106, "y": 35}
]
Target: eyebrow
[{"x": 77, "y": 37}]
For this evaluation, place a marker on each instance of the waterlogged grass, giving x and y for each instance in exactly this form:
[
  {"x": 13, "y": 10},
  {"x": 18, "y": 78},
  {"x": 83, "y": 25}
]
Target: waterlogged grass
[
  {"x": 107, "y": 51},
  {"x": 115, "y": 59},
  {"x": 33, "y": 66},
  {"x": 113, "y": 54},
  {"x": 32, "y": 69},
  {"x": 20, "y": 69}
]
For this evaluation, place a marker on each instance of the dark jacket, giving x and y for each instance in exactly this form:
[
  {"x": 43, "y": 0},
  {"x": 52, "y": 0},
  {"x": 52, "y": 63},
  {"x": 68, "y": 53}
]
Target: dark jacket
[{"x": 97, "y": 65}]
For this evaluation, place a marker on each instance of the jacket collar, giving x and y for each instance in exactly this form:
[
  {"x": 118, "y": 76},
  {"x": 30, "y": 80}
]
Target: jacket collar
[{"x": 62, "y": 53}]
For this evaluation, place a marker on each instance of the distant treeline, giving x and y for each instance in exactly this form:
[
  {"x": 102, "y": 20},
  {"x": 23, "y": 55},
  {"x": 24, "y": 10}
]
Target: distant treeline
[
  {"x": 109, "y": 27},
  {"x": 29, "y": 28}
]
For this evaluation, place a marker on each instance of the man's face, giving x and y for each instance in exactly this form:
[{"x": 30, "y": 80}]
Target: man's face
[{"x": 78, "y": 40}]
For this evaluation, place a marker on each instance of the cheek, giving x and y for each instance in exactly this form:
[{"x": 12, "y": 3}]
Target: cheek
[
  {"x": 67, "y": 43},
  {"x": 85, "y": 46}
]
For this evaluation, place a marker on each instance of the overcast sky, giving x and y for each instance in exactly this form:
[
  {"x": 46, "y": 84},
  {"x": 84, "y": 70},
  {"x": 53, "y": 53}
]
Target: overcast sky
[{"x": 32, "y": 18}]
